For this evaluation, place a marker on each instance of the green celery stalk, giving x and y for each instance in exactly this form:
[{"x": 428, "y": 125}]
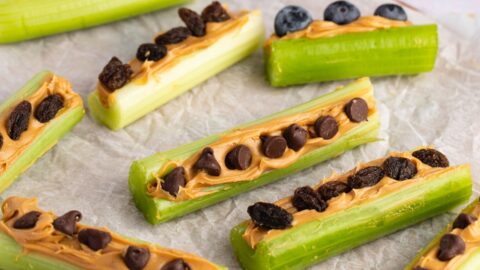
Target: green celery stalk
[
  {"x": 158, "y": 210},
  {"x": 402, "y": 50},
  {"x": 135, "y": 100},
  {"x": 318, "y": 240},
  {"x": 50, "y": 135},
  {"x": 28, "y": 19}
]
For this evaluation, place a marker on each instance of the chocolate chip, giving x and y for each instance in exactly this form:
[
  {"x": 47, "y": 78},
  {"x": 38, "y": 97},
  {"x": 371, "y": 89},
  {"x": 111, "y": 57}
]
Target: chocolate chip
[
  {"x": 366, "y": 177},
  {"x": 151, "y": 52},
  {"x": 451, "y": 245},
  {"x": 48, "y": 108},
  {"x": 177, "y": 264},
  {"x": 307, "y": 198},
  {"x": 431, "y": 157},
  {"x": 27, "y": 221},
  {"x": 273, "y": 146},
  {"x": 136, "y": 257},
  {"x": 296, "y": 137},
  {"x": 357, "y": 110},
  {"x": 193, "y": 21},
  {"x": 239, "y": 158},
  {"x": 333, "y": 189},
  {"x": 208, "y": 163},
  {"x": 18, "y": 120},
  {"x": 174, "y": 180},
  {"x": 270, "y": 216},
  {"x": 68, "y": 222},
  {"x": 326, "y": 127},
  {"x": 463, "y": 220},
  {"x": 173, "y": 36},
  {"x": 399, "y": 168},
  {"x": 215, "y": 13},
  {"x": 1, "y": 141},
  {"x": 115, "y": 74},
  {"x": 94, "y": 239},
  {"x": 419, "y": 268}
]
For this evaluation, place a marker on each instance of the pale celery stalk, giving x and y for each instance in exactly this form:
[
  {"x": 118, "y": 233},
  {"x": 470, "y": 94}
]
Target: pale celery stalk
[{"x": 134, "y": 100}]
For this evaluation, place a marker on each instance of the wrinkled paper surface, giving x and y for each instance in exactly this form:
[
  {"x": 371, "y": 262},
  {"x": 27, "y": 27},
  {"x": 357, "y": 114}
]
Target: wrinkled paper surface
[{"x": 88, "y": 169}]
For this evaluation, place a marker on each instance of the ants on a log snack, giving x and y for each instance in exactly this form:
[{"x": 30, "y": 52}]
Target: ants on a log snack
[
  {"x": 32, "y": 120},
  {"x": 347, "y": 210},
  {"x": 194, "y": 176},
  {"x": 31, "y": 238},
  {"x": 346, "y": 45},
  {"x": 174, "y": 62}
]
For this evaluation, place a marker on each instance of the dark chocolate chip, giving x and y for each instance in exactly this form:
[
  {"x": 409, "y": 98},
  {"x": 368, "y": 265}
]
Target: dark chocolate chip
[
  {"x": 136, "y": 258},
  {"x": 357, "y": 110},
  {"x": 307, "y": 198},
  {"x": 419, "y": 268},
  {"x": 296, "y": 137},
  {"x": 177, "y": 264},
  {"x": 366, "y": 177},
  {"x": 18, "y": 120},
  {"x": 27, "y": 221},
  {"x": 451, "y": 245},
  {"x": 208, "y": 163},
  {"x": 173, "y": 36},
  {"x": 115, "y": 74},
  {"x": 193, "y": 21},
  {"x": 239, "y": 158},
  {"x": 48, "y": 108},
  {"x": 270, "y": 216},
  {"x": 326, "y": 127},
  {"x": 399, "y": 168},
  {"x": 151, "y": 52},
  {"x": 463, "y": 220},
  {"x": 94, "y": 239},
  {"x": 431, "y": 157},
  {"x": 333, "y": 189},
  {"x": 273, "y": 146},
  {"x": 1, "y": 141},
  {"x": 215, "y": 13},
  {"x": 68, "y": 222},
  {"x": 174, "y": 180}
]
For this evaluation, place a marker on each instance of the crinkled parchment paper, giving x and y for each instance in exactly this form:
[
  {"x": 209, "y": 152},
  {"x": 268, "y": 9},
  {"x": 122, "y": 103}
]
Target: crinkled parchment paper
[{"x": 88, "y": 169}]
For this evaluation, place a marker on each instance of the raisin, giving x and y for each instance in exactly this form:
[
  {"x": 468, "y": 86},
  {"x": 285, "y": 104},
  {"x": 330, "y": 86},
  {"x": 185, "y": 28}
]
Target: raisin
[
  {"x": 270, "y": 216},
  {"x": 136, "y": 258},
  {"x": 18, "y": 120},
  {"x": 115, "y": 74},
  {"x": 193, "y": 21},
  {"x": 27, "y": 221},
  {"x": 177, "y": 264},
  {"x": 399, "y": 168},
  {"x": 215, "y": 13},
  {"x": 333, "y": 189},
  {"x": 173, "y": 36},
  {"x": 431, "y": 157},
  {"x": 463, "y": 220},
  {"x": 48, "y": 108},
  {"x": 307, "y": 198},
  {"x": 151, "y": 52},
  {"x": 366, "y": 177},
  {"x": 451, "y": 245}
]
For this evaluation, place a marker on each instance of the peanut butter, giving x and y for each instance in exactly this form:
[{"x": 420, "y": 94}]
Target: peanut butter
[{"x": 44, "y": 239}]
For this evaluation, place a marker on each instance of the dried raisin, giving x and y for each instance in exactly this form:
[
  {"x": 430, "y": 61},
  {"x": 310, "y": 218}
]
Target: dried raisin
[
  {"x": 270, "y": 216},
  {"x": 431, "y": 157},
  {"x": 399, "y": 168},
  {"x": 215, "y": 13},
  {"x": 48, "y": 108},
  {"x": 173, "y": 36},
  {"x": 307, "y": 198},
  {"x": 193, "y": 21},
  {"x": 366, "y": 177},
  {"x": 18, "y": 120},
  {"x": 333, "y": 189},
  {"x": 151, "y": 52},
  {"x": 115, "y": 74}
]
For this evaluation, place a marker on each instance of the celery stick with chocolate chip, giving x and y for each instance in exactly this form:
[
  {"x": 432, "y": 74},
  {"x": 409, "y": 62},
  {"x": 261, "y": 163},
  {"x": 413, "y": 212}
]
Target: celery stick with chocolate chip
[
  {"x": 347, "y": 210},
  {"x": 177, "y": 60},
  {"x": 346, "y": 45},
  {"x": 33, "y": 120},
  {"x": 176, "y": 182}
]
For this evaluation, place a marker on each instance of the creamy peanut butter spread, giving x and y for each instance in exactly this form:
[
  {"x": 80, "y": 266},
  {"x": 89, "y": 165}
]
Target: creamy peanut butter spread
[
  {"x": 470, "y": 235},
  {"x": 44, "y": 239},
  {"x": 320, "y": 29},
  {"x": 12, "y": 149},
  {"x": 198, "y": 183},
  {"x": 143, "y": 71},
  {"x": 253, "y": 235}
]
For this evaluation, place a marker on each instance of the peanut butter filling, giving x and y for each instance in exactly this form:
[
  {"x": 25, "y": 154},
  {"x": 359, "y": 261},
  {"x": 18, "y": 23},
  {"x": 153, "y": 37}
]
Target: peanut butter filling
[
  {"x": 12, "y": 149},
  {"x": 200, "y": 183},
  {"x": 253, "y": 235},
  {"x": 44, "y": 239},
  {"x": 320, "y": 29},
  {"x": 143, "y": 72}
]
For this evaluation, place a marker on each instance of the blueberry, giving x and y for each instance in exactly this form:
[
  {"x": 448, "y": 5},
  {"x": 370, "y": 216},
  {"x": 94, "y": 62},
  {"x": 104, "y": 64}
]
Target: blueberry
[
  {"x": 341, "y": 12},
  {"x": 391, "y": 11},
  {"x": 291, "y": 19}
]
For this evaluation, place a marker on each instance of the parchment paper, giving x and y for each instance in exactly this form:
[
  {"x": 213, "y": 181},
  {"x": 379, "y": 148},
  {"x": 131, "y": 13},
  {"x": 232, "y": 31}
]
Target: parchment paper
[{"x": 88, "y": 169}]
